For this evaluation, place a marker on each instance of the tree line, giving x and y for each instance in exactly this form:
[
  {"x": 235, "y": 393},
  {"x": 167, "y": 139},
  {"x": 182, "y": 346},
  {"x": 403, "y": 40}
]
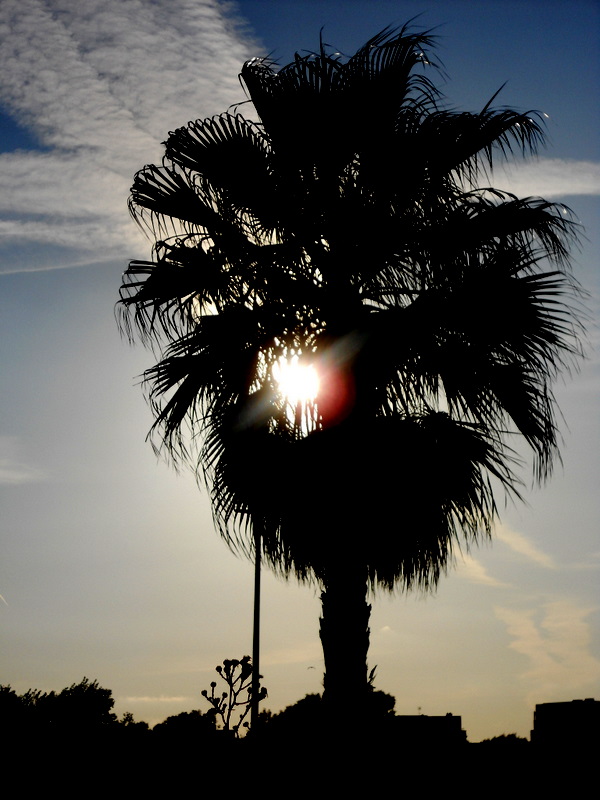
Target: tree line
[{"x": 86, "y": 709}]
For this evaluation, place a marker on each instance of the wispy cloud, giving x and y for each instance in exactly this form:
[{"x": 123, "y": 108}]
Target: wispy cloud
[
  {"x": 101, "y": 83},
  {"x": 522, "y": 545},
  {"x": 556, "y": 641},
  {"x": 13, "y": 470},
  {"x": 14, "y": 474},
  {"x": 592, "y": 562},
  {"x": 475, "y": 572},
  {"x": 160, "y": 699},
  {"x": 550, "y": 178}
]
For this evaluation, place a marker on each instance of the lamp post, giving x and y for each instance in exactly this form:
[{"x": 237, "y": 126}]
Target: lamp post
[{"x": 254, "y": 700}]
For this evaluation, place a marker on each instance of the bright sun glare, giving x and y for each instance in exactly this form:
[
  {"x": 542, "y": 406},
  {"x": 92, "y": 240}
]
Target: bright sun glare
[{"x": 298, "y": 383}]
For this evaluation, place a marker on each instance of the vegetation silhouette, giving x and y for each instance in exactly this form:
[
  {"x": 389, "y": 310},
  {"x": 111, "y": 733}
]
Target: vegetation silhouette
[
  {"x": 91, "y": 746},
  {"x": 353, "y": 226},
  {"x": 190, "y": 726},
  {"x": 233, "y": 705},
  {"x": 83, "y": 707}
]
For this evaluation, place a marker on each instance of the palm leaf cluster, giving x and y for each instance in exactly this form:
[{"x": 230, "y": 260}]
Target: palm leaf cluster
[{"x": 352, "y": 225}]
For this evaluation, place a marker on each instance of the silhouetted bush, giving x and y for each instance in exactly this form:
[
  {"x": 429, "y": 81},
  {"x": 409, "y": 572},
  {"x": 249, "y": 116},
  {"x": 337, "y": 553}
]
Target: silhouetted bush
[
  {"x": 84, "y": 706},
  {"x": 308, "y": 721},
  {"x": 189, "y": 724},
  {"x": 506, "y": 740},
  {"x": 81, "y": 708}
]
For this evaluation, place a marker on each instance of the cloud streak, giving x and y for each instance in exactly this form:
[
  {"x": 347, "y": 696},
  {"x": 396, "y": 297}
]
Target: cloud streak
[
  {"x": 475, "y": 572},
  {"x": 161, "y": 699},
  {"x": 550, "y": 178},
  {"x": 523, "y": 546},
  {"x": 557, "y": 647},
  {"x": 15, "y": 474},
  {"x": 13, "y": 471},
  {"x": 100, "y": 84}
]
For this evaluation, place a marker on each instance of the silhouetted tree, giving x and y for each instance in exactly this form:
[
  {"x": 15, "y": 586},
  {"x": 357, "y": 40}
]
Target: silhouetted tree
[
  {"x": 132, "y": 725},
  {"x": 353, "y": 226},
  {"x": 77, "y": 710},
  {"x": 13, "y": 709},
  {"x": 190, "y": 725},
  {"x": 79, "y": 707},
  {"x": 506, "y": 740},
  {"x": 301, "y": 721}
]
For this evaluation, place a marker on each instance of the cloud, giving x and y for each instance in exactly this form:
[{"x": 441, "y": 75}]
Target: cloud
[
  {"x": 100, "y": 84},
  {"x": 15, "y": 474},
  {"x": 13, "y": 471},
  {"x": 520, "y": 544},
  {"x": 117, "y": 76},
  {"x": 550, "y": 178},
  {"x": 475, "y": 572},
  {"x": 556, "y": 646},
  {"x": 66, "y": 202},
  {"x": 160, "y": 699},
  {"x": 592, "y": 562}
]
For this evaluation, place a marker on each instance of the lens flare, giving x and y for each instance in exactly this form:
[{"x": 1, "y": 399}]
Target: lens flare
[{"x": 297, "y": 382}]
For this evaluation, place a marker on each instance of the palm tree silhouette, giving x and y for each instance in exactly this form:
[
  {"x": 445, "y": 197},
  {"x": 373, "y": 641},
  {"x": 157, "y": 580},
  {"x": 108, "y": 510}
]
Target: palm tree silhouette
[{"x": 352, "y": 226}]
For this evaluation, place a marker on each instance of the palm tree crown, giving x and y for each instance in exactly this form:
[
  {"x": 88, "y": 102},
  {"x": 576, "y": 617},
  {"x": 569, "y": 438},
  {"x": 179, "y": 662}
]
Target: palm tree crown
[{"x": 352, "y": 226}]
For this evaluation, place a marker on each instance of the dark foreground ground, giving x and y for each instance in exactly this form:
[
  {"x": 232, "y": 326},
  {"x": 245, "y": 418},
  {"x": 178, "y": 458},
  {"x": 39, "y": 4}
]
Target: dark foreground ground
[{"x": 132, "y": 767}]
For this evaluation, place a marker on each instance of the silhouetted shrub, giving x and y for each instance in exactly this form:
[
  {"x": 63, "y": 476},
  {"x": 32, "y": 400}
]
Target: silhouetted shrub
[
  {"x": 506, "y": 740},
  {"x": 80, "y": 708},
  {"x": 189, "y": 724}
]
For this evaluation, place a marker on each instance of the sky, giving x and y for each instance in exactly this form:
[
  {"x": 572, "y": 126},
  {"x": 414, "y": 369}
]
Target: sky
[{"x": 110, "y": 565}]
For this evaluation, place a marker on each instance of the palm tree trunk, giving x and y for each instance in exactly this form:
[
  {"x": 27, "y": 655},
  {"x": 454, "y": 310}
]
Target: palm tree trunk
[{"x": 344, "y": 632}]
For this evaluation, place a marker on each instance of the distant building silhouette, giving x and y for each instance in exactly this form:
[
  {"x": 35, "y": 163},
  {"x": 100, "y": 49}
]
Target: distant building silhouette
[
  {"x": 574, "y": 724},
  {"x": 443, "y": 730}
]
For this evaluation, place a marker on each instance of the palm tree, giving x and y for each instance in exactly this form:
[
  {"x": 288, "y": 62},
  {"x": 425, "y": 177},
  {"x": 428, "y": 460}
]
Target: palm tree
[{"x": 352, "y": 226}]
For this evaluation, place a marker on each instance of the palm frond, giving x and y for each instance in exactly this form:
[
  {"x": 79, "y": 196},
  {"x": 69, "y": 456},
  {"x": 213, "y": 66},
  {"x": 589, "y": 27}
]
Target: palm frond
[{"x": 471, "y": 140}]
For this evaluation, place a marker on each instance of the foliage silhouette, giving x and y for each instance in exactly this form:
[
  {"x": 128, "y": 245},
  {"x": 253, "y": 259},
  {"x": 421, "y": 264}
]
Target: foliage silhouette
[
  {"x": 132, "y": 728},
  {"x": 81, "y": 705},
  {"x": 510, "y": 740},
  {"x": 190, "y": 726},
  {"x": 187, "y": 749},
  {"x": 354, "y": 226},
  {"x": 305, "y": 720},
  {"x": 81, "y": 710}
]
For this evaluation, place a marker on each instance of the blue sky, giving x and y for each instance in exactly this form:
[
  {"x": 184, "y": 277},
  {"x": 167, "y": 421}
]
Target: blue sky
[{"x": 110, "y": 566}]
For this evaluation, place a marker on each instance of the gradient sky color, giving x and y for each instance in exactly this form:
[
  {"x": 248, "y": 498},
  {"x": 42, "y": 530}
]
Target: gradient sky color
[{"x": 110, "y": 565}]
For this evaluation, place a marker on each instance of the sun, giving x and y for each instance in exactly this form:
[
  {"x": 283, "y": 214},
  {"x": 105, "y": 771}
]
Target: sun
[{"x": 298, "y": 383}]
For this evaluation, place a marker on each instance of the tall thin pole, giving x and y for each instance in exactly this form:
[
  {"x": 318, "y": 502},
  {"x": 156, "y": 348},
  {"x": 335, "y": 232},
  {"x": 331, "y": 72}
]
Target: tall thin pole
[{"x": 256, "y": 632}]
